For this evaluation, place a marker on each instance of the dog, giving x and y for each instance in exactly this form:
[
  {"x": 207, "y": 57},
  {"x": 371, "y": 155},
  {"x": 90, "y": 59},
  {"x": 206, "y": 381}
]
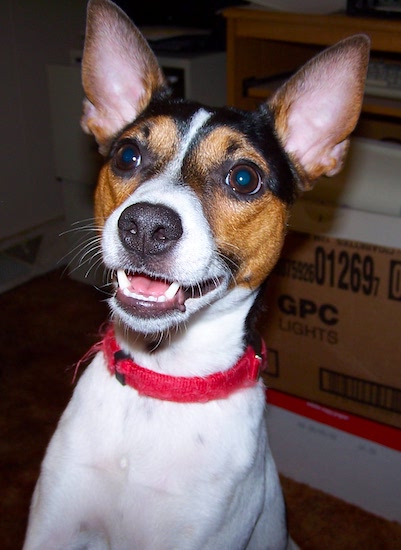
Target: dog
[{"x": 164, "y": 445}]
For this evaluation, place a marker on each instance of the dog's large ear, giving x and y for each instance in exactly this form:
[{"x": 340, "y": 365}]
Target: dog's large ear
[
  {"x": 318, "y": 108},
  {"x": 119, "y": 72}
]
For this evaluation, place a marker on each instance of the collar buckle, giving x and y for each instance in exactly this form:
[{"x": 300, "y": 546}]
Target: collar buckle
[{"x": 118, "y": 356}]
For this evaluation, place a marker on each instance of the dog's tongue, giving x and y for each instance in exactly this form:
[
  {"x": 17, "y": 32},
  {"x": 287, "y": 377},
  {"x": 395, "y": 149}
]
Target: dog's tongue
[
  {"x": 137, "y": 286},
  {"x": 147, "y": 286}
]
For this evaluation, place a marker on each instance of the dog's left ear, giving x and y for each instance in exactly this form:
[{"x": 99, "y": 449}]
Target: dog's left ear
[
  {"x": 319, "y": 107},
  {"x": 119, "y": 72}
]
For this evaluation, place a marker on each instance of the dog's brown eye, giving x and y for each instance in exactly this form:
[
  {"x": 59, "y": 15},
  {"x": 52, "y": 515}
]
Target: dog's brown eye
[
  {"x": 244, "y": 179},
  {"x": 127, "y": 157}
]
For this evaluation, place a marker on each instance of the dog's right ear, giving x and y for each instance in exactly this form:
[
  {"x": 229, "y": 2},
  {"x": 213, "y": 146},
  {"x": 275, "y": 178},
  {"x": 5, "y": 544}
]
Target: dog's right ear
[
  {"x": 119, "y": 72},
  {"x": 318, "y": 108}
]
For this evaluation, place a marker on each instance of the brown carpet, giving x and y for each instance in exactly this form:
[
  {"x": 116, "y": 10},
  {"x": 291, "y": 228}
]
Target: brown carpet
[{"x": 47, "y": 325}]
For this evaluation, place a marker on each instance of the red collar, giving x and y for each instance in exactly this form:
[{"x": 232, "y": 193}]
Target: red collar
[{"x": 244, "y": 374}]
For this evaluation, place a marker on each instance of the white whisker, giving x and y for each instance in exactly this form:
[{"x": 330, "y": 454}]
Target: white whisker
[{"x": 86, "y": 250}]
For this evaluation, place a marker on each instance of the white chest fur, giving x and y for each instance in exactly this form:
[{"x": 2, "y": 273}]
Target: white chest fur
[{"x": 149, "y": 473}]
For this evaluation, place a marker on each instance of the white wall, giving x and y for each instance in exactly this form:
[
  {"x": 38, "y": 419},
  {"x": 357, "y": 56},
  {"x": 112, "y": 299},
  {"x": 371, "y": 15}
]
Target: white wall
[{"x": 33, "y": 34}]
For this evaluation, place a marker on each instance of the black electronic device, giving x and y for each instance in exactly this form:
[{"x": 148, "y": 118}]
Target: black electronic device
[{"x": 375, "y": 8}]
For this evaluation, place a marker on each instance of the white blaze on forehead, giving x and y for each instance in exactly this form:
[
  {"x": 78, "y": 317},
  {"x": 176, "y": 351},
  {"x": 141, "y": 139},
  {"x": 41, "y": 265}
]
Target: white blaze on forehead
[{"x": 198, "y": 120}]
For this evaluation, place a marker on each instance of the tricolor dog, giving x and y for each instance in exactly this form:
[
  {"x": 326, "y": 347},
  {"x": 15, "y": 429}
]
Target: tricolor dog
[{"x": 163, "y": 445}]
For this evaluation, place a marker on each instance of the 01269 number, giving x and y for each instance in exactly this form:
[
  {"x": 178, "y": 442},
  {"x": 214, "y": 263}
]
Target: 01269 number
[{"x": 340, "y": 269}]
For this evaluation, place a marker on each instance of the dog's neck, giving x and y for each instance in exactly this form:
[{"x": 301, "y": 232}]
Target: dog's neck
[
  {"x": 212, "y": 341},
  {"x": 245, "y": 373}
]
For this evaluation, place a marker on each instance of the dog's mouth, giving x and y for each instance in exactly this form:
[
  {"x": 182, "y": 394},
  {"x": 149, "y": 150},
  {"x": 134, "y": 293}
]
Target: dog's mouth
[{"x": 149, "y": 296}]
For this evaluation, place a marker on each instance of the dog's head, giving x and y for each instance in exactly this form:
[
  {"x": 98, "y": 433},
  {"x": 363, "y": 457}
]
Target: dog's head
[{"x": 193, "y": 201}]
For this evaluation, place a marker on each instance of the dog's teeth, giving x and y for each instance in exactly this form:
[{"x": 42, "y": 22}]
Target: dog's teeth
[
  {"x": 125, "y": 286},
  {"x": 122, "y": 279},
  {"x": 171, "y": 291}
]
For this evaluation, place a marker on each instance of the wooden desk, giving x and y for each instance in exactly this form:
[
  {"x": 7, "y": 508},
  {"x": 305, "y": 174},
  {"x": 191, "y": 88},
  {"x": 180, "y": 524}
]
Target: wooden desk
[{"x": 262, "y": 43}]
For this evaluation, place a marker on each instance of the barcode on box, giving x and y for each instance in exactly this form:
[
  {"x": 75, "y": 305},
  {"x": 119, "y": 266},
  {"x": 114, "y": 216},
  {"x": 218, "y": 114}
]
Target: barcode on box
[{"x": 362, "y": 391}]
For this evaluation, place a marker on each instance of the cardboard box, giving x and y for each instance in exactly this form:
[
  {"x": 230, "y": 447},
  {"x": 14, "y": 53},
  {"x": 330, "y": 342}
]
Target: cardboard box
[
  {"x": 326, "y": 449},
  {"x": 333, "y": 319}
]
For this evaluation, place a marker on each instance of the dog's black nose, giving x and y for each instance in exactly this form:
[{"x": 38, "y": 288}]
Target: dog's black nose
[{"x": 146, "y": 228}]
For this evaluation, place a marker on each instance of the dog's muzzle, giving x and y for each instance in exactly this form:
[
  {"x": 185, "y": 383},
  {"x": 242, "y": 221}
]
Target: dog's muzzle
[{"x": 150, "y": 235}]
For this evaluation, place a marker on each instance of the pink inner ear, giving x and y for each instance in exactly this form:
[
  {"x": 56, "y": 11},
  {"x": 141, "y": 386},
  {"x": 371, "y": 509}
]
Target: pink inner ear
[
  {"x": 319, "y": 120},
  {"x": 314, "y": 126},
  {"x": 319, "y": 107},
  {"x": 339, "y": 152},
  {"x": 117, "y": 89},
  {"x": 119, "y": 72}
]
